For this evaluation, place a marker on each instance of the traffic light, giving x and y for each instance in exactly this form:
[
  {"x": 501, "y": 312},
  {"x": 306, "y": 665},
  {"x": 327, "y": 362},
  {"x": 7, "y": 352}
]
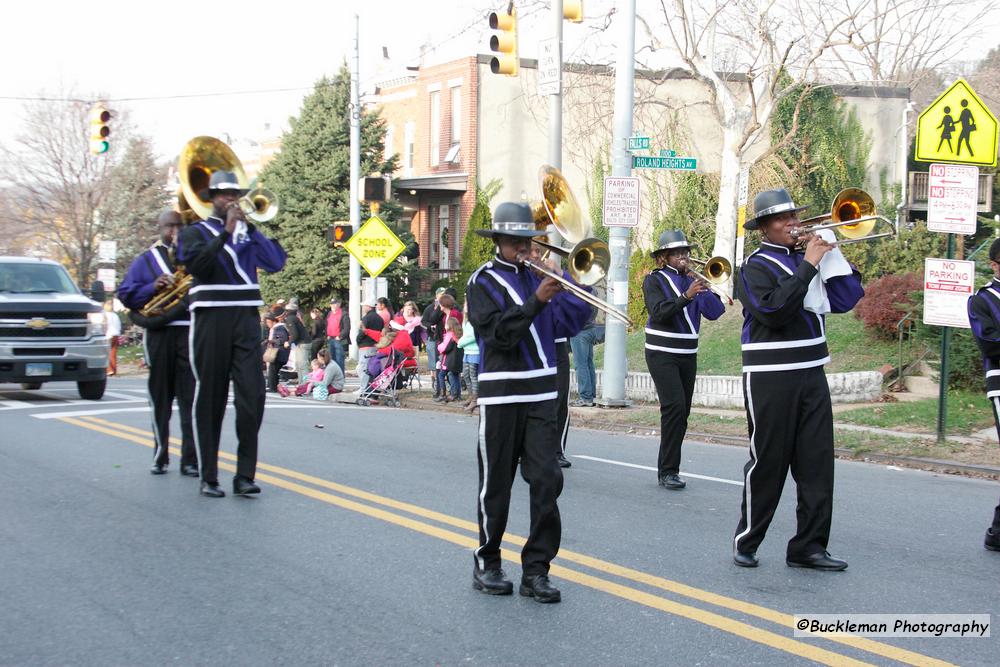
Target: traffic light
[
  {"x": 340, "y": 233},
  {"x": 100, "y": 131},
  {"x": 573, "y": 10},
  {"x": 504, "y": 44}
]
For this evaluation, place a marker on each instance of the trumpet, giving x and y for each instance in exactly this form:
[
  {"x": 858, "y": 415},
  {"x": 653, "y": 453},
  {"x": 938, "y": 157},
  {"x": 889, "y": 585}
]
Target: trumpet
[
  {"x": 852, "y": 214},
  {"x": 589, "y": 259},
  {"x": 717, "y": 270}
]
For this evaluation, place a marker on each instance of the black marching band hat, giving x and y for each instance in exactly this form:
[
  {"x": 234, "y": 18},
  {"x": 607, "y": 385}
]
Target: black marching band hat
[
  {"x": 771, "y": 202},
  {"x": 512, "y": 219},
  {"x": 222, "y": 180},
  {"x": 670, "y": 239}
]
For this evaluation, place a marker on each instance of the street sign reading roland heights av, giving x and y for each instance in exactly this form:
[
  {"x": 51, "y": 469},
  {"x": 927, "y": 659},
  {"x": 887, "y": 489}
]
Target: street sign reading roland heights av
[{"x": 672, "y": 163}]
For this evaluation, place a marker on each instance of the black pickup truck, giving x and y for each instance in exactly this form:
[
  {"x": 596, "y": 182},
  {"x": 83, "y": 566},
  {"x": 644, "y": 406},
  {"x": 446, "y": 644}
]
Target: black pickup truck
[{"x": 49, "y": 330}]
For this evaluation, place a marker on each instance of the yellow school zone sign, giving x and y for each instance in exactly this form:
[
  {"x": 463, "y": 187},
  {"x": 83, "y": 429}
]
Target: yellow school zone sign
[
  {"x": 959, "y": 128},
  {"x": 374, "y": 246}
]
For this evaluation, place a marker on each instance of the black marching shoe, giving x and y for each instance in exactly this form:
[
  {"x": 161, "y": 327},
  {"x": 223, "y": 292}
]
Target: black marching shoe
[
  {"x": 491, "y": 582},
  {"x": 158, "y": 469},
  {"x": 244, "y": 487},
  {"x": 540, "y": 588},
  {"x": 189, "y": 470},
  {"x": 212, "y": 490},
  {"x": 564, "y": 462},
  {"x": 745, "y": 559},
  {"x": 818, "y": 561},
  {"x": 992, "y": 541},
  {"x": 672, "y": 481}
]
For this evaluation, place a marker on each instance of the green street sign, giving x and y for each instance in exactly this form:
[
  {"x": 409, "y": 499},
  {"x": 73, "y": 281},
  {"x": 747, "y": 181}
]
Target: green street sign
[
  {"x": 638, "y": 143},
  {"x": 667, "y": 153},
  {"x": 673, "y": 163}
]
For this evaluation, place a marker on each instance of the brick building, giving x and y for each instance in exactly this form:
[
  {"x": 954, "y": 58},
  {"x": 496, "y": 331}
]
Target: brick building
[{"x": 430, "y": 115}]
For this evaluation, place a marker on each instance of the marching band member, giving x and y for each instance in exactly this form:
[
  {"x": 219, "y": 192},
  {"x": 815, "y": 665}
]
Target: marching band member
[
  {"x": 984, "y": 317},
  {"x": 165, "y": 344},
  {"x": 223, "y": 253},
  {"x": 517, "y": 316},
  {"x": 675, "y": 301},
  {"x": 785, "y": 294}
]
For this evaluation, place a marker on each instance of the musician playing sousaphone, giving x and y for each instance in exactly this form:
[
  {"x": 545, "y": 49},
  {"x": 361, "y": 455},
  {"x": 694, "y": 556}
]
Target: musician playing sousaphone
[
  {"x": 786, "y": 291},
  {"x": 223, "y": 253},
  {"x": 165, "y": 343}
]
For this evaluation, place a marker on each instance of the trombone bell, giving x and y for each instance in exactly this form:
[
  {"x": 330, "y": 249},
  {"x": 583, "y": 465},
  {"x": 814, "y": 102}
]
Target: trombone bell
[
  {"x": 716, "y": 269},
  {"x": 589, "y": 261},
  {"x": 260, "y": 204},
  {"x": 852, "y": 214}
]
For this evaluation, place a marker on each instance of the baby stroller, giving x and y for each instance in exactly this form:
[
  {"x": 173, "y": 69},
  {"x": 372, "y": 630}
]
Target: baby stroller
[{"x": 386, "y": 372}]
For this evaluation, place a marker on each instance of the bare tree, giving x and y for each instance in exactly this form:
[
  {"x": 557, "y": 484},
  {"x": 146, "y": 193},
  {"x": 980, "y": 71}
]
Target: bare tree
[{"x": 55, "y": 185}]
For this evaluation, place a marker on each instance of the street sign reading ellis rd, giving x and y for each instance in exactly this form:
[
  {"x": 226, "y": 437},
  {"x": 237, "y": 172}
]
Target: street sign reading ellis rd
[{"x": 374, "y": 246}]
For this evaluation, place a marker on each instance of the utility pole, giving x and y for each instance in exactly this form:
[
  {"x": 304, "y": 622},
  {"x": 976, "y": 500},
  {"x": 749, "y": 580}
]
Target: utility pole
[
  {"x": 555, "y": 111},
  {"x": 354, "y": 298},
  {"x": 613, "y": 380}
]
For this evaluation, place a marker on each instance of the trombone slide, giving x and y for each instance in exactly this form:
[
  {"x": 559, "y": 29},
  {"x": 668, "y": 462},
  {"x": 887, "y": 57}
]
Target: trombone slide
[{"x": 581, "y": 293}]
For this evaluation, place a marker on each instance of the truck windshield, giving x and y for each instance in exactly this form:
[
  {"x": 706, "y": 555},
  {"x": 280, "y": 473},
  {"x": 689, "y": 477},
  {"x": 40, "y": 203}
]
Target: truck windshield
[{"x": 34, "y": 278}]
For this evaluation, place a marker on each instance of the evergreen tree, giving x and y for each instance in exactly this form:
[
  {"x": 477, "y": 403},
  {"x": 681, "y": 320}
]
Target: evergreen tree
[
  {"x": 311, "y": 176},
  {"x": 477, "y": 249}
]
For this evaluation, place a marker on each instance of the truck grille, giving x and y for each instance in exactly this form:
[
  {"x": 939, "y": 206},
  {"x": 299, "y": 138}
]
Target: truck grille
[
  {"x": 55, "y": 315},
  {"x": 49, "y": 332}
]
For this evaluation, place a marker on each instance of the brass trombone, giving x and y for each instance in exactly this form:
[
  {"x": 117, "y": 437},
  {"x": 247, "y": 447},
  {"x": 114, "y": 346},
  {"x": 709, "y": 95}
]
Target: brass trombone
[
  {"x": 589, "y": 258},
  {"x": 852, "y": 214},
  {"x": 717, "y": 271}
]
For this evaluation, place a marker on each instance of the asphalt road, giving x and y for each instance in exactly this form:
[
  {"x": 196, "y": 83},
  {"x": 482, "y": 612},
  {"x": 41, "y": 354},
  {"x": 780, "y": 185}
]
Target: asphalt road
[{"x": 358, "y": 551}]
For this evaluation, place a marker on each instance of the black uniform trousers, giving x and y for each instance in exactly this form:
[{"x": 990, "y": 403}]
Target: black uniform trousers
[
  {"x": 562, "y": 386},
  {"x": 995, "y": 403},
  {"x": 166, "y": 352},
  {"x": 525, "y": 432},
  {"x": 790, "y": 421},
  {"x": 225, "y": 343},
  {"x": 673, "y": 376}
]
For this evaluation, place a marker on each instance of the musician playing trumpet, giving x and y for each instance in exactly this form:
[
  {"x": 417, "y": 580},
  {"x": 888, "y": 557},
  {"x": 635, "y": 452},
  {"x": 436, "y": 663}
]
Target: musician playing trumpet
[
  {"x": 786, "y": 292},
  {"x": 165, "y": 344},
  {"x": 676, "y": 300}
]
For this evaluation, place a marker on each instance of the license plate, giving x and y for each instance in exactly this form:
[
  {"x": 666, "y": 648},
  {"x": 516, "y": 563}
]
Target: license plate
[{"x": 38, "y": 370}]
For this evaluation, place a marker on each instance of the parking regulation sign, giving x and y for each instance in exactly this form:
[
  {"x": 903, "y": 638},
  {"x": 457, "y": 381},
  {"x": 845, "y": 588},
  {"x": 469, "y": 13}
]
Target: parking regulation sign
[
  {"x": 621, "y": 201},
  {"x": 948, "y": 284},
  {"x": 952, "y": 198}
]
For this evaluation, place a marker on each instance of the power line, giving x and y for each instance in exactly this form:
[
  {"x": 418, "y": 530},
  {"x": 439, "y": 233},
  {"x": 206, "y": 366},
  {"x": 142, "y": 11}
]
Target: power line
[{"x": 262, "y": 91}]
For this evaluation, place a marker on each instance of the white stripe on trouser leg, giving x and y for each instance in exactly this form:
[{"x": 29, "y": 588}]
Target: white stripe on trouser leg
[
  {"x": 482, "y": 492},
  {"x": 152, "y": 406},
  {"x": 197, "y": 388},
  {"x": 753, "y": 453},
  {"x": 565, "y": 430}
]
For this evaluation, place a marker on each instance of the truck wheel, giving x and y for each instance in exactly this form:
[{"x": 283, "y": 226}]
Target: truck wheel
[
  {"x": 92, "y": 390},
  {"x": 31, "y": 386}
]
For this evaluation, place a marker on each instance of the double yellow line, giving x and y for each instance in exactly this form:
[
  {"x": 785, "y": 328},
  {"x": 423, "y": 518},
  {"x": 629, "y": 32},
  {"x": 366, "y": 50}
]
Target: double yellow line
[{"x": 389, "y": 510}]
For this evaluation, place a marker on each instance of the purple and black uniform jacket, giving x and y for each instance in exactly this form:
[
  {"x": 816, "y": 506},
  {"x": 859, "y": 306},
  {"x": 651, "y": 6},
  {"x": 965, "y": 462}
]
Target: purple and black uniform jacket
[
  {"x": 984, "y": 317},
  {"x": 225, "y": 268},
  {"x": 674, "y": 320},
  {"x": 516, "y": 332},
  {"x": 137, "y": 287},
  {"x": 778, "y": 333}
]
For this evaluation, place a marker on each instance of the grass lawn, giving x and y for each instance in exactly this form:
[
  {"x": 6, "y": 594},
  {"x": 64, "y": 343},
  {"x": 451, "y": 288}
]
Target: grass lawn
[
  {"x": 967, "y": 412},
  {"x": 851, "y": 348}
]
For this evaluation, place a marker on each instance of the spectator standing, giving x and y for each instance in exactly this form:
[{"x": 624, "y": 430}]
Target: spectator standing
[
  {"x": 430, "y": 320},
  {"x": 338, "y": 332},
  {"x": 450, "y": 360},
  {"x": 277, "y": 339},
  {"x": 370, "y": 321},
  {"x": 317, "y": 329},
  {"x": 114, "y": 331},
  {"x": 470, "y": 360},
  {"x": 300, "y": 339},
  {"x": 583, "y": 360},
  {"x": 384, "y": 310}
]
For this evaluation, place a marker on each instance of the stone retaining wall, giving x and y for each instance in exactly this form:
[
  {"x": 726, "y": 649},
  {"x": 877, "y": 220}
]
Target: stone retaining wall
[{"x": 726, "y": 391}]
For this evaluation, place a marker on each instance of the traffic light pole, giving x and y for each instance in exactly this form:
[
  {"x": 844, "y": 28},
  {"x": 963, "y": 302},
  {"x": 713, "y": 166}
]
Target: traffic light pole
[
  {"x": 354, "y": 297},
  {"x": 613, "y": 380}
]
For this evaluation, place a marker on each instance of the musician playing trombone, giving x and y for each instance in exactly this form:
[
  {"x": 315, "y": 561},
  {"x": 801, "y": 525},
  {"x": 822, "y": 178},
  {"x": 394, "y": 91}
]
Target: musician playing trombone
[
  {"x": 786, "y": 292},
  {"x": 517, "y": 316},
  {"x": 165, "y": 344},
  {"x": 676, "y": 300},
  {"x": 223, "y": 253},
  {"x": 984, "y": 319}
]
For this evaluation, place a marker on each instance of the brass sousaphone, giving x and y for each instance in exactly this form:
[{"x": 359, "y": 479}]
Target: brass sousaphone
[{"x": 589, "y": 258}]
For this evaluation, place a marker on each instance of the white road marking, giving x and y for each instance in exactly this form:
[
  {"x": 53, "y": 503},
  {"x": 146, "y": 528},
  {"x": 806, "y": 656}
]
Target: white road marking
[
  {"x": 230, "y": 407},
  {"x": 634, "y": 465}
]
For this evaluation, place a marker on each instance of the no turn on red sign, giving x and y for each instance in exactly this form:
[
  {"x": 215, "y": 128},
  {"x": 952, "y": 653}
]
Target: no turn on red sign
[{"x": 948, "y": 284}]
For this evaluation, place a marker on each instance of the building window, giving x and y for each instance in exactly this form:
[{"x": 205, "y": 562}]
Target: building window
[
  {"x": 390, "y": 136},
  {"x": 408, "y": 148},
  {"x": 456, "y": 115},
  {"x": 435, "y": 128}
]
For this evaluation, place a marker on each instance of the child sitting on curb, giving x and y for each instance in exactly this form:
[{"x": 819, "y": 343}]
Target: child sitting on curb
[{"x": 314, "y": 378}]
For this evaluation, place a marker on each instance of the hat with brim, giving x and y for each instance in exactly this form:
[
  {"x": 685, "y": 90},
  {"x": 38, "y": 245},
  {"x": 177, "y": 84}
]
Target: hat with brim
[
  {"x": 512, "y": 219},
  {"x": 768, "y": 203},
  {"x": 669, "y": 240},
  {"x": 222, "y": 181}
]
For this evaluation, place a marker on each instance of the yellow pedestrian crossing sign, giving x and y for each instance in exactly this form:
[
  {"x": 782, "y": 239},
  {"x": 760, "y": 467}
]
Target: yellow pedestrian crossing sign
[
  {"x": 374, "y": 246},
  {"x": 957, "y": 127}
]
